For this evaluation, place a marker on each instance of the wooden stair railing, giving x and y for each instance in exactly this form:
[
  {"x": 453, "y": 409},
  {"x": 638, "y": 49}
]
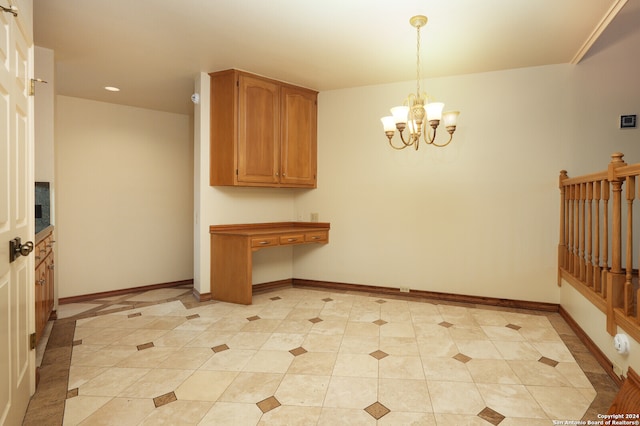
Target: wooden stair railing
[
  {"x": 626, "y": 405},
  {"x": 596, "y": 234}
]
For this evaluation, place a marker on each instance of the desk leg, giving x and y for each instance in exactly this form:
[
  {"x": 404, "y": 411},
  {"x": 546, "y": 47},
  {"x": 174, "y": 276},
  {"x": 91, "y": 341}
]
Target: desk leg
[{"x": 231, "y": 269}]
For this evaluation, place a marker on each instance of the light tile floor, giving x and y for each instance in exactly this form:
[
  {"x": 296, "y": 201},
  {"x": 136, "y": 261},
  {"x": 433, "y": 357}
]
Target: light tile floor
[{"x": 300, "y": 356}]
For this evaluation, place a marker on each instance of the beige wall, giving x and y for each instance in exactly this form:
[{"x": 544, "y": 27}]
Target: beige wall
[
  {"x": 477, "y": 217},
  {"x": 124, "y": 197},
  {"x": 603, "y": 86}
]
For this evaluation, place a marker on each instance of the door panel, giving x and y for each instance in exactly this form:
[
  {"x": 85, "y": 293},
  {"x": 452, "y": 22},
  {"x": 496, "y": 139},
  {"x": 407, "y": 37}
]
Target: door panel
[
  {"x": 258, "y": 132},
  {"x": 17, "y": 360},
  {"x": 299, "y": 144}
]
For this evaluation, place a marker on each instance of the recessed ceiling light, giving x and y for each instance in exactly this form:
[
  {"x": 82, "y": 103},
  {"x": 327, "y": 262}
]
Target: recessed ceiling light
[{"x": 112, "y": 89}]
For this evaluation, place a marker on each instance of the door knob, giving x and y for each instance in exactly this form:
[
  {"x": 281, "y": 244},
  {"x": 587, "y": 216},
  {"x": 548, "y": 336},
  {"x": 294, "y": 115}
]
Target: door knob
[{"x": 17, "y": 249}]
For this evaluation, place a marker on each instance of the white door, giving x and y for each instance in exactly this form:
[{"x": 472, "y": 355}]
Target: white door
[{"x": 17, "y": 304}]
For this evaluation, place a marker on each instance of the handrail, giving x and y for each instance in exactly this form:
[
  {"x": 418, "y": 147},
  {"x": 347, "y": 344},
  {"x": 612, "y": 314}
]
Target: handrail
[{"x": 595, "y": 250}]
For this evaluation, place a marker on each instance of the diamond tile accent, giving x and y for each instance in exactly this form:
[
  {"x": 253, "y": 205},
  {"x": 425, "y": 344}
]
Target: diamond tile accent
[
  {"x": 379, "y": 354},
  {"x": 137, "y": 314},
  {"x": 312, "y": 362},
  {"x": 161, "y": 400},
  {"x": 220, "y": 348},
  {"x": 328, "y": 299},
  {"x": 298, "y": 351},
  {"x": 194, "y": 316},
  {"x": 462, "y": 358},
  {"x": 380, "y": 301},
  {"x": 253, "y": 318},
  {"x": 550, "y": 362},
  {"x": 268, "y": 404},
  {"x": 145, "y": 346},
  {"x": 377, "y": 410},
  {"x": 315, "y": 320},
  {"x": 491, "y": 416},
  {"x": 275, "y": 298}
]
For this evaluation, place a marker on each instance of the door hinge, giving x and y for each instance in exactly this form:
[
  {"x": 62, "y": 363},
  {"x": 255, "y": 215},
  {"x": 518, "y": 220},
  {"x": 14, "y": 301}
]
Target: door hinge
[
  {"x": 32, "y": 341},
  {"x": 32, "y": 85}
]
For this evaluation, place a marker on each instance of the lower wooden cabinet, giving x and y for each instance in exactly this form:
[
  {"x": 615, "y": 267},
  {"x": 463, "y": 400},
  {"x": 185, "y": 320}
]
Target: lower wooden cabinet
[{"x": 44, "y": 279}]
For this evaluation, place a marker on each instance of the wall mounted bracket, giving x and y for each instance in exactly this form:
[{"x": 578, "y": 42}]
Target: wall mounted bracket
[{"x": 11, "y": 9}]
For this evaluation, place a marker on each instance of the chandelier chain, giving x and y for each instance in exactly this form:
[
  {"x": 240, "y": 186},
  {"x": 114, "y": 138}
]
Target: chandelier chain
[{"x": 418, "y": 61}]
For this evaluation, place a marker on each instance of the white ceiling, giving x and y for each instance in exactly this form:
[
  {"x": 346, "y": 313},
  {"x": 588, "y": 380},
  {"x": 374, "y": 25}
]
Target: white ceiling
[{"x": 153, "y": 49}]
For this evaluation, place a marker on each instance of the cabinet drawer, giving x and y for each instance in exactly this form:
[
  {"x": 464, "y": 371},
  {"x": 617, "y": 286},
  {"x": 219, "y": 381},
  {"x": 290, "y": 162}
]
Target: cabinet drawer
[
  {"x": 292, "y": 239},
  {"x": 42, "y": 249},
  {"x": 317, "y": 237},
  {"x": 264, "y": 242}
]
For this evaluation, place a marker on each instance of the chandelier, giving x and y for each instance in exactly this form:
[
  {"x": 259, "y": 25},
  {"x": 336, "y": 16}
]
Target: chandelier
[{"x": 411, "y": 116}]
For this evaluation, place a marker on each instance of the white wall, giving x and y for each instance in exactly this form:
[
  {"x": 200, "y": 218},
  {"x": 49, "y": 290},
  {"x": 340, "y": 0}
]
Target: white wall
[
  {"x": 44, "y": 115},
  {"x": 124, "y": 197}
]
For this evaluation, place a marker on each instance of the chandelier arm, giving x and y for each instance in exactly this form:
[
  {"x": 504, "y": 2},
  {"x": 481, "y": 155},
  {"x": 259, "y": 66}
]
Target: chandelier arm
[
  {"x": 397, "y": 147},
  {"x": 410, "y": 142},
  {"x": 433, "y": 141},
  {"x": 430, "y": 135}
]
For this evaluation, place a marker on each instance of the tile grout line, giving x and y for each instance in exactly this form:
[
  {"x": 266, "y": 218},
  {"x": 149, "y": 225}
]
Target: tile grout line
[{"x": 55, "y": 346}]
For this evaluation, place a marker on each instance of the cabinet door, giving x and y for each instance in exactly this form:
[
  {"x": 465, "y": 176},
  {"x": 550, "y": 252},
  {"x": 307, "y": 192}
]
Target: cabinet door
[
  {"x": 49, "y": 291},
  {"x": 40, "y": 293},
  {"x": 258, "y": 131},
  {"x": 298, "y": 137}
]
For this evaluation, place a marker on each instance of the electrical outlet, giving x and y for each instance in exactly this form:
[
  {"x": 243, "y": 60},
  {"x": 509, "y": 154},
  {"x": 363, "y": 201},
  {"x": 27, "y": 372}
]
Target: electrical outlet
[
  {"x": 617, "y": 370},
  {"x": 314, "y": 217},
  {"x": 404, "y": 289}
]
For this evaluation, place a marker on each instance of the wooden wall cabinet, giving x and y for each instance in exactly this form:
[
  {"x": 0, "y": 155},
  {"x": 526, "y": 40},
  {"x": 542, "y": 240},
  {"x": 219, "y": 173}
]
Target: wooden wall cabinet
[
  {"x": 263, "y": 132},
  {"x": 44, "y": 290}
]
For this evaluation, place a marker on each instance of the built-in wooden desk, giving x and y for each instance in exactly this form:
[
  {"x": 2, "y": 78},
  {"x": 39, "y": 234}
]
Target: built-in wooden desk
[{"x": 232, "y": 247}]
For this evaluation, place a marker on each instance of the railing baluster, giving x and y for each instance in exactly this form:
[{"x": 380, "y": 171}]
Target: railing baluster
[
  {"x": 606, "y": 194},
  {"x": 570, "y": 245},
  {"x": 615, "y": 278},
  {"x": 562, "y": 245},
  {"x": 589, "y": 237},
  {"x": 628, "y": 286},
  {"x": 597, "y": 282},
  {"x": 581, "y": 221},
  {"x": 576, "y": 230}
]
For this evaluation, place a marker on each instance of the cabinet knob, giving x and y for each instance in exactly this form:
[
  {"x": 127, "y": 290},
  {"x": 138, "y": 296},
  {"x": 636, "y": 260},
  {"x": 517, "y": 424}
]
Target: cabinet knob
[{"x": 42, "y": 282}]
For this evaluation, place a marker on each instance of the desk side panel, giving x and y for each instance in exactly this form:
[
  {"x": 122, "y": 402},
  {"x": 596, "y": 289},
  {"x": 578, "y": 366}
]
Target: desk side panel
[{"x": 230, "y": 269}]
